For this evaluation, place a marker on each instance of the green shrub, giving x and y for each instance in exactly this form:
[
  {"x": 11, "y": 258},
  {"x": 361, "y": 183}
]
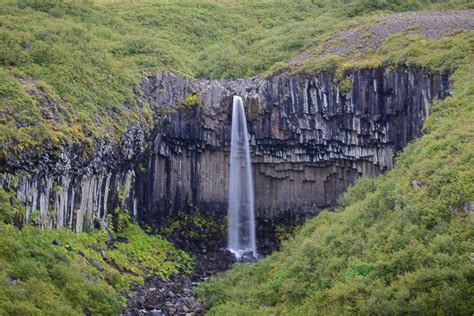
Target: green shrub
[
  {"x": 358, "y": 268},
  {"x": 190, "y": 102}
]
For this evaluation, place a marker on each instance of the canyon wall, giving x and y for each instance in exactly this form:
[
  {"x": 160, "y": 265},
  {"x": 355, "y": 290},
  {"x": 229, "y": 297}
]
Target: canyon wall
[{"x": 311, "y": 137}]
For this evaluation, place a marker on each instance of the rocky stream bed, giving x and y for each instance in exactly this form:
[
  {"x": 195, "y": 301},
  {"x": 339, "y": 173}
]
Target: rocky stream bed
[
  {"x": 160, "y": 296},
  {"x": 174, "y": 296}
]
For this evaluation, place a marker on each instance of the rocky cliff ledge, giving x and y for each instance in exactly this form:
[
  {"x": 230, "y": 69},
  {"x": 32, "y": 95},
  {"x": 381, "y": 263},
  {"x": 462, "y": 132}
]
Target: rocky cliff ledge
[{"x": 311, "y": 137}]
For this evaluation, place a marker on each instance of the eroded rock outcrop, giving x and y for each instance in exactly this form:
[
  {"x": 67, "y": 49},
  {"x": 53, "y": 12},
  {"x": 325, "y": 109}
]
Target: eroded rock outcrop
[{"x": 310, "y": 139}]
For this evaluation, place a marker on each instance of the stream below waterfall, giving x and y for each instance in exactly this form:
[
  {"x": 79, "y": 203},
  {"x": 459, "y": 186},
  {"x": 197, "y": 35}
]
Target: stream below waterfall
[{"x": 159, "y": 296}]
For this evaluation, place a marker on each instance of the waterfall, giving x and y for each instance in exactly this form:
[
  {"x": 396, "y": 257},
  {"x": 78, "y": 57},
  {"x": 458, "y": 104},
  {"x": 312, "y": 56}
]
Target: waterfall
[{"x": 241, "y": 218}]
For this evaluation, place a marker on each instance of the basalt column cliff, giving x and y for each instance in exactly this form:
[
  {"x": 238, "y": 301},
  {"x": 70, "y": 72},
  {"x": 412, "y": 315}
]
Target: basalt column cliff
[{"x": 311, "y": 137}]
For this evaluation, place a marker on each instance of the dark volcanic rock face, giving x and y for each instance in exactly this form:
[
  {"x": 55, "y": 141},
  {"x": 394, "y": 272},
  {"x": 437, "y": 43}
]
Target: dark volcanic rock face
[{"x": 310, "y": 139}]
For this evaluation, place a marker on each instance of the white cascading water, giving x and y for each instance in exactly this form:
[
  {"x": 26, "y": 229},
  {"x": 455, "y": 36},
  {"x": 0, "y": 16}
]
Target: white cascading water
[{"x": 241, "y": 218}]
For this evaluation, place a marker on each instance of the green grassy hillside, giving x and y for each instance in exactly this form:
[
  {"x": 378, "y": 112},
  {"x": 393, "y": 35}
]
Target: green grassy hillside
[
  {"x": 402, "y": 243},
  {"x": 68, "y": 67},
  {"x": 72, "y": 277},
  {"x": 60, "y": 272}
]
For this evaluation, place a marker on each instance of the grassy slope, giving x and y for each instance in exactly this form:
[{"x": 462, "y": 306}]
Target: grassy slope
[
  {"x": 71, "y": 276},
  {"x": 391, "y": 248},
  {"x": 59, "y": 272},
  {"x": 38, "y": 278},
  {"x": 84, "y": 57}
]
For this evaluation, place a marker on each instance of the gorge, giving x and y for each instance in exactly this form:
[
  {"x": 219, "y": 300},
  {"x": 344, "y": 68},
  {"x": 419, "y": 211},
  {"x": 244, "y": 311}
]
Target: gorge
[
  {"x": 236, "y": 157},
  {"x": 311, "y": 137}
]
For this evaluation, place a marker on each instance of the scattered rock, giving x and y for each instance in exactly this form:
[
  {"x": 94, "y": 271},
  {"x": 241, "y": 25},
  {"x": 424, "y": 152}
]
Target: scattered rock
[
  {"x": 97, "y": 265},
  {"x": 367, "y": 36},
  {"x": 56, "y": 243},
  {"x": 174, "y": 296},
  {"x": 103, "y": 254},
  {"x": 121, "y": 239},
  {"x": 416, "y": 184},
  {"x": 469, "y": 207},
  {"x": 11, "y": 281},
  {"x": 141, "y": 300}
]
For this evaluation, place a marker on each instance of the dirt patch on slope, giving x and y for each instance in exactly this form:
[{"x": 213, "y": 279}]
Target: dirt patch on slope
[{"x": 371, "y": 35}]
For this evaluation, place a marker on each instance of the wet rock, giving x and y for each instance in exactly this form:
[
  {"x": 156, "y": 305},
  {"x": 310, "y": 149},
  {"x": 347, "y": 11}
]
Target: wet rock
[
  {"x": 141, "y": 301},
  {"x": 157, "y": 312},
  {"x": 248, "y": 257}
]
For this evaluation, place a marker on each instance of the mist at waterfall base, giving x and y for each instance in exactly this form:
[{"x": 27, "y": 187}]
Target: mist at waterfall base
[{"x": 241, "y": 218}]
